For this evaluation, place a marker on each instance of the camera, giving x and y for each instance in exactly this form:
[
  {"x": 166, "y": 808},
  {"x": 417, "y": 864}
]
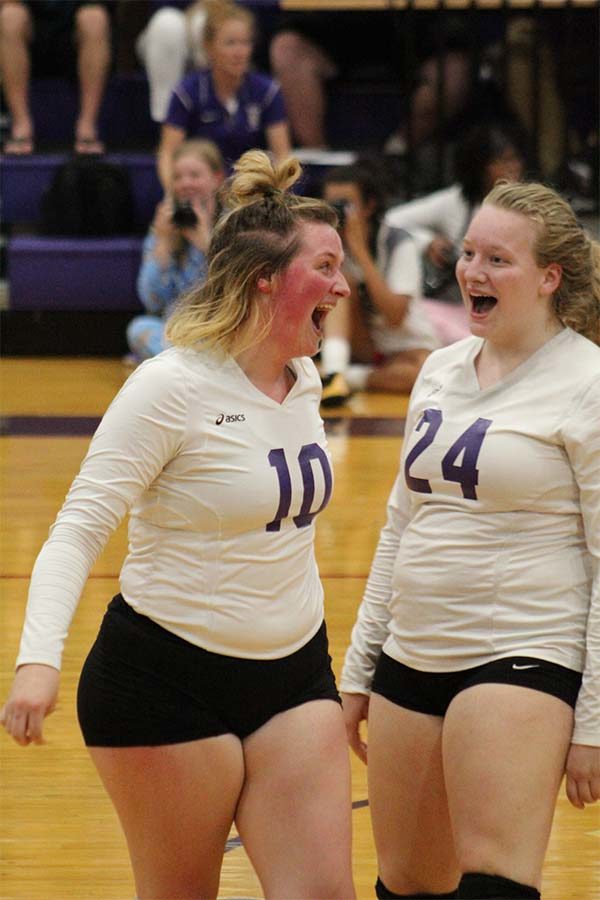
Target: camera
[
  {"x": 438, "y": 280},
  {"x": 184, "y": 215},
  {"x": 340, "y": 207}
]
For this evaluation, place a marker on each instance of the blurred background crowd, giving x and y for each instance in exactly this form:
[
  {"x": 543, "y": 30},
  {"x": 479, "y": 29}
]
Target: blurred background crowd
[{"x": 403, "y": 118}]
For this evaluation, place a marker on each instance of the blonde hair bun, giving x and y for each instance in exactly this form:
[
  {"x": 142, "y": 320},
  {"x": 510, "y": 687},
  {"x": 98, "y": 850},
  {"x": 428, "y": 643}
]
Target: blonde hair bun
[{"x": 256, "y": 176}]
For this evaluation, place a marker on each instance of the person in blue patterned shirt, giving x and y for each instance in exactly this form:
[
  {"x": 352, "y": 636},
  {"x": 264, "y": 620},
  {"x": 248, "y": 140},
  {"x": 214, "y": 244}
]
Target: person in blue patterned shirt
[{"x": 174, "y": 257}]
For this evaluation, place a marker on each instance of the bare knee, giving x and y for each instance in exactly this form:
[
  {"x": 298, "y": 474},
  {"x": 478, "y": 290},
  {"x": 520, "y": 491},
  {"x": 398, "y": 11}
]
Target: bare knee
[
  {"x": 15, "y": 22},
  {"x": 477, "y": 852},
  {"x": 92, "y": 24},
  {"x": 291, "y": 53},
  {"x": 286, "y": 49},
  {"x": 492, "y": 850}
]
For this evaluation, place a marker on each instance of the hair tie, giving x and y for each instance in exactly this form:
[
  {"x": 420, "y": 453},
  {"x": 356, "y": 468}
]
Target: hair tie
[{"x": 270, "y": 192}]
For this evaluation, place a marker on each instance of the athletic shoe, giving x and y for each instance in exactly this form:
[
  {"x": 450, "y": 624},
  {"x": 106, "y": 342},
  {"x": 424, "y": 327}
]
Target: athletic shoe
[{"x": 335, "y": 390}]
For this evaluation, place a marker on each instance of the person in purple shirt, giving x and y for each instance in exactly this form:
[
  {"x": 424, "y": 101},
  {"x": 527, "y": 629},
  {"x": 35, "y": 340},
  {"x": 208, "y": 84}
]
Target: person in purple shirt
[{"x": 227, "y": 103}]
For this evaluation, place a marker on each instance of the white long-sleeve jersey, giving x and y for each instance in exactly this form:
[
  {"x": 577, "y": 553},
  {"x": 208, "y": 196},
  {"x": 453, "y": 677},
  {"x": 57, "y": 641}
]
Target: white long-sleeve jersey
[
  {"x": 222, "y": 484},
  {"x": 444, "y": 212},
  {"x": 492, "y": 541}
]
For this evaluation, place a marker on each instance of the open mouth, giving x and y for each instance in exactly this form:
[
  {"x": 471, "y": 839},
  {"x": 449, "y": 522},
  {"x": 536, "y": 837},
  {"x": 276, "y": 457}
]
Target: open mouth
[
  {"x": 482, "y": 304},
  {"x": 319, "y": 315}
]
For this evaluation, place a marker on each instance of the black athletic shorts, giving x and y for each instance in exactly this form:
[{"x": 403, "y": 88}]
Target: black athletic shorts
[
  {"x": 432, "y": 692},
  {"x": 141, "y": 685},
  {"x": 53, "y": 48}
]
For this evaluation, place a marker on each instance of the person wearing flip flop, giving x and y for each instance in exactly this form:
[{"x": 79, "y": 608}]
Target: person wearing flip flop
[{"x": 54, "y": 37}]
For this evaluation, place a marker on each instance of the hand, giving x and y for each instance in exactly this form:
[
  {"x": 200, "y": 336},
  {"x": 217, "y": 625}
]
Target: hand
[
  {"x": 355, "y": 233},
  {"x": 32, "y": 698},
  {"x": 440, "y": 251},
  {"x": 200, "y": 234},
  {"x": 163, "y": 227},
  {"x": 355, "y": 708},
  {"x": 583, "y": 775}
]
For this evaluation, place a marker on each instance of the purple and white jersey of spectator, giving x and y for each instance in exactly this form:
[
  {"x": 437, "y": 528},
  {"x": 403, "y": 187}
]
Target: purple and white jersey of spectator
[{"x": 195, "y": 108}]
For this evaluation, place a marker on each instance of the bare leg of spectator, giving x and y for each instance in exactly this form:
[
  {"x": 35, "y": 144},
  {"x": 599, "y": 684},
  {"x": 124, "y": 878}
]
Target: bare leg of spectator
[
  {"x": 456, "y": 82},
  {"x": 425, "y": 119},
  {"x": 93, "y": 43},
  {"x": 550, "y": 138},
  {"x": 15, "y": 37},
  {"x": 302, "y": 69}
]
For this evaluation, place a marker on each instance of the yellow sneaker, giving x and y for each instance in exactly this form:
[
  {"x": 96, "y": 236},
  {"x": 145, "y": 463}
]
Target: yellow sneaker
[{"x": 335, "y": 390}]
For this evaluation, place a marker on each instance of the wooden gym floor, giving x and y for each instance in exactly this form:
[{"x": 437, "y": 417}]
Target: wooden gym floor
[{"x": 59, "y": 836}]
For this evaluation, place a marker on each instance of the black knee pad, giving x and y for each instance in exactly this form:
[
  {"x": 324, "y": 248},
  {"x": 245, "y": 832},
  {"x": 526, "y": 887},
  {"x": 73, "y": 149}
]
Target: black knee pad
[
  {"x": 384, "y": 893},
  {"x": 479, "y": 886}
]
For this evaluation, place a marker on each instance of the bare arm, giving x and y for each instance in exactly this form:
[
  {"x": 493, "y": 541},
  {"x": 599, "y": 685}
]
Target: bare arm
[
  {"x": 278, "y": 140},
  {"x": 170, "y": 140},
  {"x": 393, "y": 306}
]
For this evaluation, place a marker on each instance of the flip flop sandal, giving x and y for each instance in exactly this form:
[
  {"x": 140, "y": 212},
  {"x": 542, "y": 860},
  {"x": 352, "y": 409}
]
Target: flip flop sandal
[
  {"x": 89, "y": 146},
  {"x": 18, "y": 146}
]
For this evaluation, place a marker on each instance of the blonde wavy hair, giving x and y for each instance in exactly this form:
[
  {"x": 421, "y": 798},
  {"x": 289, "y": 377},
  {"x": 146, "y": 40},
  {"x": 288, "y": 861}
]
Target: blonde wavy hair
[
  {"x": 257, "y": 236},
  {"x": 559, "y": 239}
]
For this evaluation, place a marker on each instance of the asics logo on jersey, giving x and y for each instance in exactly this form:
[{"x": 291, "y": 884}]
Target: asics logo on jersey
[
  {"x": 435, "y": 388},
  {"x": 235, "y": 417},
  {"x": 531, "y": 666}
]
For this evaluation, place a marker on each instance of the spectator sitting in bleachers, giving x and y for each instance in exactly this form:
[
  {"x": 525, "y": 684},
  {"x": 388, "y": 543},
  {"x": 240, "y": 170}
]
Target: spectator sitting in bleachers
[
  {"x": 227, "y": 103},
  {"x": 309, "y": 49},
  {"x": 171, "y": 41},
  {"x": 383, "y": 326},
  {"x": 174, "y": 254},
  {"x": 72, "y": 37},
  {"x": 438, "y": 221}
]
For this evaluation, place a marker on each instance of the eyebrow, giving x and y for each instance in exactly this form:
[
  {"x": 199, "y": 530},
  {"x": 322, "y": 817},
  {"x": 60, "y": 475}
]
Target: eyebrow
[{"x": 492, "y": 248}]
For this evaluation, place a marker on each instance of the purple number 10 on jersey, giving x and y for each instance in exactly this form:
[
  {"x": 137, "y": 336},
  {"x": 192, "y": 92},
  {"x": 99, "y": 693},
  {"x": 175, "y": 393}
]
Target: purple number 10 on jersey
[
  {"x": 307, "y": 453},
  {"x": 465, "y": 473}
]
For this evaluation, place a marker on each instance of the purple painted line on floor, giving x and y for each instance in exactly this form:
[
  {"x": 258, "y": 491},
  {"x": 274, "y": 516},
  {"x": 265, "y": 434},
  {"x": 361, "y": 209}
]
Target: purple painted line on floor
[
  {"x": 48, "y": 426},
  {"x": 84, "y": 426}
]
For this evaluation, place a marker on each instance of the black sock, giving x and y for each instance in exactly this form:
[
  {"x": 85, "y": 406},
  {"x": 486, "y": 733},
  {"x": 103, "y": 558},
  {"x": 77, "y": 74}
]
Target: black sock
[
  {"x": 479, "y": 886},
  {"x": 384, "y": 893}
]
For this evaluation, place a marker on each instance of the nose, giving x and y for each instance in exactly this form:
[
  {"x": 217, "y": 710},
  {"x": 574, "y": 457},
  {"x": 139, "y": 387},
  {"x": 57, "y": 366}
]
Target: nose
[
  {"x": 473, "y": 270},
  {"x": 341, "y": 288}
]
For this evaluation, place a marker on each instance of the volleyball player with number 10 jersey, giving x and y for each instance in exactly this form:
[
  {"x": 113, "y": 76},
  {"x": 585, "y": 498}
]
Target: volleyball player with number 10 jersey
[{"x": 208, "y": 697}]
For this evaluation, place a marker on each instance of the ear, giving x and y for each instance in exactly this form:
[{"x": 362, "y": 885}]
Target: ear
[
  {"x": 264, "y": 284},
  {"x": 552, "y": 278}
]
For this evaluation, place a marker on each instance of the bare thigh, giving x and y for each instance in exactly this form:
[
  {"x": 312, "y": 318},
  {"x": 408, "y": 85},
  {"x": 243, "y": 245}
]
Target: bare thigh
[
  {"x": 291, "y": 51},
  {"x": 294, "y": 815},
  {"x": 407, "y": 796},
  {"x": 176, "y": 804},
  {"x": 504, "y": 755}
]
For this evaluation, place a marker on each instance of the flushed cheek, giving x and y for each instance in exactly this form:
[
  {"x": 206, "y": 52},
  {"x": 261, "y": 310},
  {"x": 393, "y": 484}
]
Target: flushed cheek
[{"x": 300, "y": 293}]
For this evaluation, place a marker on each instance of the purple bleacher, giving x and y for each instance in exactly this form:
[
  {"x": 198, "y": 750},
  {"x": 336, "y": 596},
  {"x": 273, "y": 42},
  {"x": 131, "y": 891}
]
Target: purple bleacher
[
  {"x": 24, "y": 179},
  {"x": 73, "y": 273},
  {"x": 124, "y": 114}
]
